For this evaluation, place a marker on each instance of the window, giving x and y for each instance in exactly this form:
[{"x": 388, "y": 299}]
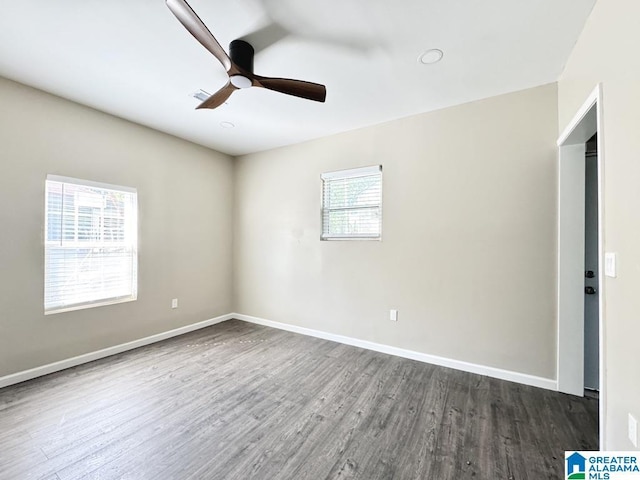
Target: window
[
  {"x": 352, "y": 204},
  {"x": 91, "y": 245}
]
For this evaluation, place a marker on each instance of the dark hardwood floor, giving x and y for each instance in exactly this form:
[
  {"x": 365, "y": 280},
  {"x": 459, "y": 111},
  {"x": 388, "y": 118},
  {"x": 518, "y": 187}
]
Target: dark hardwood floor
[{"x": 240, "y": 401}]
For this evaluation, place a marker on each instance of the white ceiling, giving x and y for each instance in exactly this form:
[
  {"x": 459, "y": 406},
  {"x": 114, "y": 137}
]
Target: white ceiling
[{"x": 133, "y": 59}]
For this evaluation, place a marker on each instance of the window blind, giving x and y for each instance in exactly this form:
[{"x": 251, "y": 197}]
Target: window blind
[
  {"x": 90, "y": 244},
  {"x": 352, "y": 204}
]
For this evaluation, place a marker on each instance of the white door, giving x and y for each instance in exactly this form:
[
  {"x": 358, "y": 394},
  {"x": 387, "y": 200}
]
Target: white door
[{"x": 591, "y": 300}]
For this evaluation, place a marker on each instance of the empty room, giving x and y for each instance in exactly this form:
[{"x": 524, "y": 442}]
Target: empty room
[{"x": 318, "y": 240}]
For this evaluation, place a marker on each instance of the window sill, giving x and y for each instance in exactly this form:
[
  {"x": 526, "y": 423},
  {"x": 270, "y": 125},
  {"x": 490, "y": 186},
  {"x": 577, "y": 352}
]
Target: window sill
[
  {"x": 351, "y": 239},
  {"x": 84, "y": 306}
]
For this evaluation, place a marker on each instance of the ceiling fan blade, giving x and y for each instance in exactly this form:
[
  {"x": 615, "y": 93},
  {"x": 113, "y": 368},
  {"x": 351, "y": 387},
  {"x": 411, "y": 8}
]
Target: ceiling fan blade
[
  {"x": 218, "y": 98},
  {"x": 297, "y": 88},
  {"x": 185, "y": 14}
]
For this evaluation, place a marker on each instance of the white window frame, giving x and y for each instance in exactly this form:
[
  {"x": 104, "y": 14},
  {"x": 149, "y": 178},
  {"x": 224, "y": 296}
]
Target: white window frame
[
  {"x": 95, "y": 243},
  {"x": 343, "y": 174}
]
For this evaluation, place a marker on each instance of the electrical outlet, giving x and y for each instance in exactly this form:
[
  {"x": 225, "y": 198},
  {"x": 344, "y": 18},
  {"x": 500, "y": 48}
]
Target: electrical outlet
[
  {"x": 633, "y": 430},
  {"x": 174, "y": 303},
  {"x": 393, "y": 315}
]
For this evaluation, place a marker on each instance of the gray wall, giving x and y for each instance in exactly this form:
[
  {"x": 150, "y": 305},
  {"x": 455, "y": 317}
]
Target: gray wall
[
  {"x": 607, "y": 52},
  {"x": 185, "y": 226},
  {"x": 468, "y": 255},
  {"x": 468, "y": 250}
]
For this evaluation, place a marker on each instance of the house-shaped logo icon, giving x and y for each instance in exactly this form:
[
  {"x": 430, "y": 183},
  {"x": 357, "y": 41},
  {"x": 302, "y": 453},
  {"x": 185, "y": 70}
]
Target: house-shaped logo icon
[{"x": 576, "y": 465}]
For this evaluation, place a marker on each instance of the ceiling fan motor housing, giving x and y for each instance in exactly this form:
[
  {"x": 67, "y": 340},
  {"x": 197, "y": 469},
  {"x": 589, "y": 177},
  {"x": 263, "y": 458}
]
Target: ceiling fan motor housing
[{"x": 241, "y": 53}]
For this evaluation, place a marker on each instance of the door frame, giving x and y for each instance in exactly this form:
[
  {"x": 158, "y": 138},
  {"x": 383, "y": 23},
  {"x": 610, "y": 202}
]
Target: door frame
[{"x": 571, "y": 225}]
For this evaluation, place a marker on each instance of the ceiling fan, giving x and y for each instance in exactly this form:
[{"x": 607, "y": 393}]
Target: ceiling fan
[{"x": 239, "y": 63}]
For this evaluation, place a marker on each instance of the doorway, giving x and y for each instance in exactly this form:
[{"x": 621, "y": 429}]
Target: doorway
[
  {"x": 591, "y": 271},
  {"x": 580, "y": 256}
]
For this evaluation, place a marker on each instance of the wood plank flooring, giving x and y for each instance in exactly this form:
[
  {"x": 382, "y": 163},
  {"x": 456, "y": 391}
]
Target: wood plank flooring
[{"x": 240, "y": 401}]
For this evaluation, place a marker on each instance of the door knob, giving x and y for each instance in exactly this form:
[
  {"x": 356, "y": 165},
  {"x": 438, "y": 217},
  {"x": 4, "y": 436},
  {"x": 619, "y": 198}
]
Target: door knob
[
  {"x": 589, "y": 274},
  {"x": 589, "y": 290}
]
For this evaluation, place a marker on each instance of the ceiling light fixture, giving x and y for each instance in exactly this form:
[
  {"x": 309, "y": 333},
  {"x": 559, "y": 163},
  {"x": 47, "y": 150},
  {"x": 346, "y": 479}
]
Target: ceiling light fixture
[
  {"x": 240, "y": 81},
  {"x": 227, "y": 125},
  {"x": 431, "y": 56}
]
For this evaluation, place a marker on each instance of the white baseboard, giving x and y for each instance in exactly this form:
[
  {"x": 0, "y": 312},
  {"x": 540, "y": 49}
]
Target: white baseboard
[
  {"x": 493, "y": 372},
  {"x": 105, "y": 352},
  {"x": 517, "y": 377}
]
